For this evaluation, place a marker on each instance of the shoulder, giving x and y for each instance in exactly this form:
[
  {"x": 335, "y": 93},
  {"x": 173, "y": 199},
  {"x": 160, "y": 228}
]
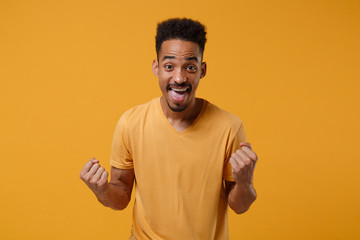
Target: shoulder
[
  {"x": 141, "y": 109},
  {"x": 139, "y": 113},
  {"x": 226, "y": 124},
  {"x": 222, "y": 117}
]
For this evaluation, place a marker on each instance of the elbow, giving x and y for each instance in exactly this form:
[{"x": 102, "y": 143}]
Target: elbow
[
  {"x": 119, "y": 207},
  {"x": 239, "y": 210}
]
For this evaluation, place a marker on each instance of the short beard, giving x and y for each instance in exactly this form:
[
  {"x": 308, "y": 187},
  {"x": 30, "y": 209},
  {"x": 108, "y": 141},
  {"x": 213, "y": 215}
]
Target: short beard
[{"x": 178, "y": 109}]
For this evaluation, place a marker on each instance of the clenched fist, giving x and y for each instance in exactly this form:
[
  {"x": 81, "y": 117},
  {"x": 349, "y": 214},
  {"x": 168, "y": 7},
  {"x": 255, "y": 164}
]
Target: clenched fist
[
  {"x": 243, "y": 163},
  {"x": 95, "y": 176}
]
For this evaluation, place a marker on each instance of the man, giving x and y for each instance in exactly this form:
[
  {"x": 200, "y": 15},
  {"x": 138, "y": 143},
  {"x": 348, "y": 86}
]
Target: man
[{"x": 188, "y": 158}]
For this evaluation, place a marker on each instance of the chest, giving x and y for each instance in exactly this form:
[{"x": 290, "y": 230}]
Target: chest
[{"x": 163, "y": 153}]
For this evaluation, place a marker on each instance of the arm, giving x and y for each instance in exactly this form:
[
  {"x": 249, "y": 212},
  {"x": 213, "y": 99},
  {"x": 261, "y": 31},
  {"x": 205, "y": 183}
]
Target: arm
[
  {"x": 240, "y": 198},
  {"x": 241, "y": 193},
  {"x": 115, "y": 194}
]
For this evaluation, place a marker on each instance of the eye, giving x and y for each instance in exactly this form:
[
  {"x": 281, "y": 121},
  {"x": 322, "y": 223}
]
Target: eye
[
  {"x": 191, "y": 68},
  {"x": 168, "y": 67}
]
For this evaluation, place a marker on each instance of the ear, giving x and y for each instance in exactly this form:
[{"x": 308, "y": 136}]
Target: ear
[
  {"x": 203, "y": 69},
  {"x": 155, "y": 67}
]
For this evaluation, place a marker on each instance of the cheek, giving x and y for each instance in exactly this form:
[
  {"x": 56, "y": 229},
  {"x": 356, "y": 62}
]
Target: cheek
[
  {"x": 162, "y": 84},
  {"x": 164, "y": 78},
  {"x": 163, "y": 75},
  {"x": 195, "y": 85}
]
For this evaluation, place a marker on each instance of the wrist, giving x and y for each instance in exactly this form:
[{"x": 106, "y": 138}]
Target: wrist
[
  {"x": 103, "y": 194},
  {"x": 243, "y": 186},
  {"x": 247, "y": 189}
]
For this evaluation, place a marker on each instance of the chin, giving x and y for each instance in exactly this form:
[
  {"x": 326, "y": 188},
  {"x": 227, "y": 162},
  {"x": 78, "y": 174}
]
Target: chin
[{"x": 177, "y": 108}]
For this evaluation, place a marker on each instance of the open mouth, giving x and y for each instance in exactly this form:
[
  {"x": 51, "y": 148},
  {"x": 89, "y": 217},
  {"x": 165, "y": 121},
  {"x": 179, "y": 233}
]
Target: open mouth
[{"x": 179, "y": 93}]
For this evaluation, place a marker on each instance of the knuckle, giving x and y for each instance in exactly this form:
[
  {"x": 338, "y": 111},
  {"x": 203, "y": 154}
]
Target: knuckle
[
  {"x": 87, "y": 178},
  {"x": 101, "y": 183},
  {"x": 237, "y": 171},
  {"x": 93, "y": 182}
]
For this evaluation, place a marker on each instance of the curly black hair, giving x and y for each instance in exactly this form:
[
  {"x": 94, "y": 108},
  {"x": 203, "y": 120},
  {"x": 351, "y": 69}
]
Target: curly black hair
[{"x": 183, "y": 29}]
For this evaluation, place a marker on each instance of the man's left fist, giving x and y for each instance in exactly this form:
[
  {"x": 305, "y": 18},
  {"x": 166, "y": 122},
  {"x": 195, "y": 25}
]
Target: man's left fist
[{"x": 243, "y": 163}]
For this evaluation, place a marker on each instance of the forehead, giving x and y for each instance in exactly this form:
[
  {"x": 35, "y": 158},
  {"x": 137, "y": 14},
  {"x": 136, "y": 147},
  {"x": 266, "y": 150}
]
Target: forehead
[{"x": 179, "y": 48}]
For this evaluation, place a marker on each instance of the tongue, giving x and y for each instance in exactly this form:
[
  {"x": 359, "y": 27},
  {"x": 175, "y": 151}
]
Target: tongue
[{"x": 178, "y": 97}]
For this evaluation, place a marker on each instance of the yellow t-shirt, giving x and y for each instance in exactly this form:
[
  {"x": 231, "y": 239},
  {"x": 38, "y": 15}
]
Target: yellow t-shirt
[{"x": 179, "y": 176}]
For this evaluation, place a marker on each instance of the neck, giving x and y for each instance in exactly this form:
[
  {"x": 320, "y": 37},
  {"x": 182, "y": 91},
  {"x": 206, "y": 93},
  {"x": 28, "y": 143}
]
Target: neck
[{"x": 186, "y": 116}]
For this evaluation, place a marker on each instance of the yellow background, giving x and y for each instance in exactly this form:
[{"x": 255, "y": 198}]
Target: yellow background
[{"x": 288, "y": 69}]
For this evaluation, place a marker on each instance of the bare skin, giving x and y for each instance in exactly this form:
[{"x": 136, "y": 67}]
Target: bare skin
[
  {"x": 241, "y": 193},
  {"x": 179, "y": 69},
  {"x": 179, "y": 62},
  {"x": 115, "y": 194}
]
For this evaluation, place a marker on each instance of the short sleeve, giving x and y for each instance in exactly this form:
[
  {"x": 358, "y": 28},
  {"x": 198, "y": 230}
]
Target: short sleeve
[
  {"x": 232, "y": 147},
  {"x": 120, "y": 153}
]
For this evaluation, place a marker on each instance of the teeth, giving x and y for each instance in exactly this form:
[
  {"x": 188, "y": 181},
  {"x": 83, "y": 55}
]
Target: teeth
[{"x": 179, "y": 90}]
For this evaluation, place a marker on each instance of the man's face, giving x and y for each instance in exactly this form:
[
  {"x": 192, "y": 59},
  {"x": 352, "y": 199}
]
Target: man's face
[{"x": 179, "y": 69}]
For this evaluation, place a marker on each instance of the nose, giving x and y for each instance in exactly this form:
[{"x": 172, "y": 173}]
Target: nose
[{"x": 180, "y": 76}]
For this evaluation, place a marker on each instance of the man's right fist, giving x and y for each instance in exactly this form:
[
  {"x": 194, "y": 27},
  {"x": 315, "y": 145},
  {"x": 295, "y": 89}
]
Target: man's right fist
[{"x": 94, "y": 176}]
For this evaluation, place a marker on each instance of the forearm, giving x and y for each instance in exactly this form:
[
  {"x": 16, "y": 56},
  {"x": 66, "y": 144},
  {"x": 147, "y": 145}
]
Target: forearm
[
  {"x": 240, "y": 198},
  {"x": 113, "y": 197}
]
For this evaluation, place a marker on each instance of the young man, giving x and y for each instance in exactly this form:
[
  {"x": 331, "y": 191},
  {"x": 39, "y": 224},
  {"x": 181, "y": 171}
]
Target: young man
[{"x": 188, "y": 158}]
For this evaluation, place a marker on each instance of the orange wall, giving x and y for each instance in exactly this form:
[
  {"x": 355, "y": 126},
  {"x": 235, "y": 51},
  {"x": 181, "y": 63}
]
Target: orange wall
[{"x": 288, "y": 69}]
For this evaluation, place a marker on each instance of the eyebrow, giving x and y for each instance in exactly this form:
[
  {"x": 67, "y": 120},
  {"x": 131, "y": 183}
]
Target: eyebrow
[
  {"x": 191, "y": 58},
  {"x": 168, "y": 57},
  {"x": 187, "y": 59}
]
